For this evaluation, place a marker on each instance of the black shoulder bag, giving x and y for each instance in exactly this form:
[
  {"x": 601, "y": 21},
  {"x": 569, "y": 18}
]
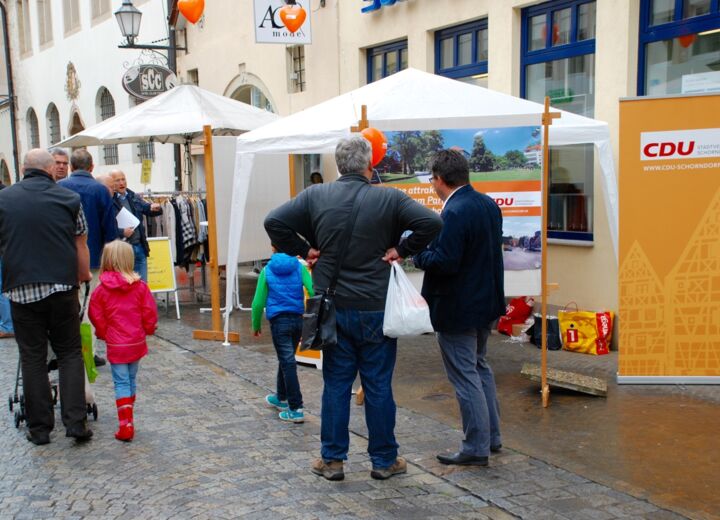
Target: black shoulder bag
[{"x": 319, "y": 327}]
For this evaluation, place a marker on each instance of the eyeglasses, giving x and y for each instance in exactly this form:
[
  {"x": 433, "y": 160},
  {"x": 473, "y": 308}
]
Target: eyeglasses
[{"x": 61, "y": 163}]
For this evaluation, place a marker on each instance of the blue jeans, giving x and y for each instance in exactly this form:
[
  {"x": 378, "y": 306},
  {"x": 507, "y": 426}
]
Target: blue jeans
[
  {"x": 6, "y": 324},
  {"x": 286, "y": 330},
  {"x": 140, "y": 266},
  {"x": 464, "y": 359},
  {"x": 123, "y": 375},
  {"x": 361, "y": 347}
]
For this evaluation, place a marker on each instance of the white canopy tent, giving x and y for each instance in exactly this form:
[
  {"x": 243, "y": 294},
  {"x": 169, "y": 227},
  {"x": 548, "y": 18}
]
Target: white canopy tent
[
  {"x": 176, "y": 116},
  {"x": 408, "y": 100},
  {"x": 183, "y": 115}
]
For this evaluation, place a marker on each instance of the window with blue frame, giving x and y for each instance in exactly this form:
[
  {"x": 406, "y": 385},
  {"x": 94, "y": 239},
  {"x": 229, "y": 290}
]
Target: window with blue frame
[
  {"x": 558, "y": 61},
  {"x": 679, "y": 48},
  {"x": 461, "y": 52},
  {"x": 385, "y": 60}
]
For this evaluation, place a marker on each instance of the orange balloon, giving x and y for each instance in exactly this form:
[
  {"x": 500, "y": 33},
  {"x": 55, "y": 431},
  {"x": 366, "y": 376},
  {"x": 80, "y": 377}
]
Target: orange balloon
[
  {"x": 191, "y": 9},
  {"x": 687, "y": 40},
  {"x": 292, "y": 16},
  {"x": 379, "y": 144}
]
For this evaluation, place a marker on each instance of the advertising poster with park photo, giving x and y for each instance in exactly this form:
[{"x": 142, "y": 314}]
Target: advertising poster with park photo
[{"x": 505, "y": 164}]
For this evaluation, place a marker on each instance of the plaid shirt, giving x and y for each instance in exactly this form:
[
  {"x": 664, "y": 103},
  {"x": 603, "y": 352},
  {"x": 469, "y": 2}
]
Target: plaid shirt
[{"x": 34, "y": 292}]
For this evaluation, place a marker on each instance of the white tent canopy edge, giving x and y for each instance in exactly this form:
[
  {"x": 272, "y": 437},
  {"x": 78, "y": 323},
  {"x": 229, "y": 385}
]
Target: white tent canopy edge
[{"x": 408, "y": 100}]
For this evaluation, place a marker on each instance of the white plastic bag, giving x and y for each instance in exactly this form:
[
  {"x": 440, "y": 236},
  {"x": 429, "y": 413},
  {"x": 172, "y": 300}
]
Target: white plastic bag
[{"x": 406, "y": 312}]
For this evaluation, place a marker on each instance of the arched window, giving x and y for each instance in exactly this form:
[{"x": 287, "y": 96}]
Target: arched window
[
  {"x": 52, "y": 116},
  {"x": 106, "y": 110},
  {"x": 252, "y": 95},
  {"x": 4, "y": 173},
  {"x": 33, "y": 129}
]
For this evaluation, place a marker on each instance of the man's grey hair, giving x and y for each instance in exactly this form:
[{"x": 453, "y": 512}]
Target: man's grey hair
[
  {"x": 81, "y": 160},
  {"x": 38, "y": 159},
  {"x": 353, "y": 155},
  {"x": 58, "y": 151}
]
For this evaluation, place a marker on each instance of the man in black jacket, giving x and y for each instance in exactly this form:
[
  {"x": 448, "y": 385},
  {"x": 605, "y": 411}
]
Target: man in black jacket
[
  {"x": 463, "y": 285},
  {"x": 43, "y": 241},
  {"x": 136, "y": 237},
  {"x": 320, "y": 215}
]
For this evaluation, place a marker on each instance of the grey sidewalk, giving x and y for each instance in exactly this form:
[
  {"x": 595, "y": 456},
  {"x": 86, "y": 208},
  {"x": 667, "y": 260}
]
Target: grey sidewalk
[{"x": 207, "y": 447}]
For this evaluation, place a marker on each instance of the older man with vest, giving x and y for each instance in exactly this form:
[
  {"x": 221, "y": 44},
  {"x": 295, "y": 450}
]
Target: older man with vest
[{"x": 43, "y": 242}]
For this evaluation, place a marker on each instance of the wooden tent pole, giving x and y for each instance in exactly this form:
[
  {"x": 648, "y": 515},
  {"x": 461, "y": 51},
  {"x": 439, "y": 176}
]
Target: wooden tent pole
[
  {"x": 217, "y": 332},
  {"x": 546, "y": 122}
]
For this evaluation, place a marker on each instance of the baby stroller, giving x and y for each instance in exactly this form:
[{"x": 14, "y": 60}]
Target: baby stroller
[{"x": 17, "y": 398}]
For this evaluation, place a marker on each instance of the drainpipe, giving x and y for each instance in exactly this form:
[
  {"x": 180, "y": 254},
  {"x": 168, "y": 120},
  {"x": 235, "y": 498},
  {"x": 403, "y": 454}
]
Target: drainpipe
[
  {"x": 11, "y": 90},
  {"x": 172, "y": 65}
]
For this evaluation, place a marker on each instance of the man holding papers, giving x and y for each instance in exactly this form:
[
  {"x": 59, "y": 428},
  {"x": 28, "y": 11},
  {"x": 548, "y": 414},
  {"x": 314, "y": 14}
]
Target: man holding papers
[{"x": 130, "y": 210}]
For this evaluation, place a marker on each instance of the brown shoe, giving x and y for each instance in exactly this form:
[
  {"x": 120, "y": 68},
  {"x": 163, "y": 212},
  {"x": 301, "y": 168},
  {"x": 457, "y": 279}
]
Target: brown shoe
[
  {"x": 399, "y": 467},
  {"x": 331, "y": 470}
]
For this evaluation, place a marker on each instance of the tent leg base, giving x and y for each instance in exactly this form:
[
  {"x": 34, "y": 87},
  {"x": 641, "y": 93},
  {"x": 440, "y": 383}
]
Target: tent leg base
[{"x": 216, "y": 335}]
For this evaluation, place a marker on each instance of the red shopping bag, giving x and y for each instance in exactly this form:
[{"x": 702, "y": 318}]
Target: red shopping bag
[{"x": 516, "y": 312}]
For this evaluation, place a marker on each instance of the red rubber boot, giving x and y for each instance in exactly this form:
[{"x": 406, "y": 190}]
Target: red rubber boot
[{"x": 125, "y": 417}]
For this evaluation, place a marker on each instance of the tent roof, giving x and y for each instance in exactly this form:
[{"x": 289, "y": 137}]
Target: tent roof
[
  {"x": 412, "y": 100},
  {"x": 175, "y": 116}
]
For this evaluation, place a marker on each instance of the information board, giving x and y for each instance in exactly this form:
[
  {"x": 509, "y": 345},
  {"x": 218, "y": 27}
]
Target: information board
[{"x": 161, "y": 271}]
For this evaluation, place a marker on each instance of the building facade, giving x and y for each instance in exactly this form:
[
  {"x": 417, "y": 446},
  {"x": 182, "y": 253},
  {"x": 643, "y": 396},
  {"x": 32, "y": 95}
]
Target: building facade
[
  {"x": 584, "y": 54},
  {"x": 68, "y": 71}
]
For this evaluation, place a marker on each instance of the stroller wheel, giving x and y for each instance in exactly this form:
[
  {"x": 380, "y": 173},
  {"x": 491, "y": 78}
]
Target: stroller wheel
[
  {"x": 18, "y": 418},
  {"x": 10, "y": 403},
  {"x": 94, "y": 412}
]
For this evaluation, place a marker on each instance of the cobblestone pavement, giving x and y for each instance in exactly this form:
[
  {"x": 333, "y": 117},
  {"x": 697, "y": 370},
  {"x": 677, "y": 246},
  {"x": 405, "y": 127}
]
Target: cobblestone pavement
[{"x": 206, "y": 446}]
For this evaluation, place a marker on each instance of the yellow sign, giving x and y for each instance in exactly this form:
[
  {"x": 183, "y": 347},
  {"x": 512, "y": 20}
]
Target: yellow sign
[
  {"x": 669, "y": 271},
  {"x": 146, "y": 173},
  {"x": 161, "y": 271}
]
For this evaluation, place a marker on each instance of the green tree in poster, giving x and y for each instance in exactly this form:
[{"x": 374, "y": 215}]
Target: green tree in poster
[
  {"x": 430, "y": 142},
  {"x": 481, "y": 159},
  {"x": 408, "y": 144},
  {"x": 515, "y": 159}
]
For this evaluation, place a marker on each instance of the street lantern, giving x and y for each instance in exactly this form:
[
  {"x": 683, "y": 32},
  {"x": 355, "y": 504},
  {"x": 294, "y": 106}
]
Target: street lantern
[{"x": 128, "y": 18}]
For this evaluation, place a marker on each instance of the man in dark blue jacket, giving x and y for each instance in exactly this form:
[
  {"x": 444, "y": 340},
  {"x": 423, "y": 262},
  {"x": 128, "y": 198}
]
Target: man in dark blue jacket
[
  {"x": 96, "y": 203},
  {"x": 464, "y": 288}
]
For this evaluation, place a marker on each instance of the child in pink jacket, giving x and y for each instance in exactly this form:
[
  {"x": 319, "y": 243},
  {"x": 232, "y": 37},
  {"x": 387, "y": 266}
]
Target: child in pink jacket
[{"x": 123, "y": 312}]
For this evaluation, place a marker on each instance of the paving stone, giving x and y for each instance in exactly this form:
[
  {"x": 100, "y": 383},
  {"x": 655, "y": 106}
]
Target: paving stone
[{"x": 207, "y": 446}]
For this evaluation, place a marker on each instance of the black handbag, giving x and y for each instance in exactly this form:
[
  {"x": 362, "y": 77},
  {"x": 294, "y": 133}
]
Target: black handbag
[
  {"x": 319, "y": 327},
  {"x": 553, "y": 333}
]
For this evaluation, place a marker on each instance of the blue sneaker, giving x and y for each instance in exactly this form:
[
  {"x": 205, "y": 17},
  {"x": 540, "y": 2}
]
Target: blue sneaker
[
  {"x": 296, "y": 416},
  {"x": 273, "y": 400}
]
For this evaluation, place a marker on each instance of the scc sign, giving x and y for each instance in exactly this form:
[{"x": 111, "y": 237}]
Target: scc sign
[{"x": 147, "y": 81}]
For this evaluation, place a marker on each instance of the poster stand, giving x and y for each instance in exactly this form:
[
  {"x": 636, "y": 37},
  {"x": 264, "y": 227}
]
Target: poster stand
[
  {"x": 161, "y": 270},
  {"x": 547, "y": 118},
  {"x": 216, "y": 333}
]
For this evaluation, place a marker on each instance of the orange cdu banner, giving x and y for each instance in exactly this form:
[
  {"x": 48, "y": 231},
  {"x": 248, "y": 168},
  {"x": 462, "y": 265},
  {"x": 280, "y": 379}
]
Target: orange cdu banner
[{"x": 669, "y": 270}]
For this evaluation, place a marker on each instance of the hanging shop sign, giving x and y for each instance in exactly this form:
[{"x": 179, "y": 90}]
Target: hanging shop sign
[
  {"x": 376, "y": 5},
  {"x": 504, "y": 164},
  {"x": 669, "y": 261},
  {"x": 147, "y": 81},
  {"x": 279, "y": 22}
]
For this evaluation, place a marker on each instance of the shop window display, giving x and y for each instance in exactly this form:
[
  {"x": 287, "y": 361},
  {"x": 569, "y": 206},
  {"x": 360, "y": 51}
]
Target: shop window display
[
  {"x": 558, "y": 61},
  {"x": 679, "y": 48}
]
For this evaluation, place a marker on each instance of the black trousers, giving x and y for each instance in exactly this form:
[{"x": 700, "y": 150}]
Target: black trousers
[{"x": 56, "y": 318}]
